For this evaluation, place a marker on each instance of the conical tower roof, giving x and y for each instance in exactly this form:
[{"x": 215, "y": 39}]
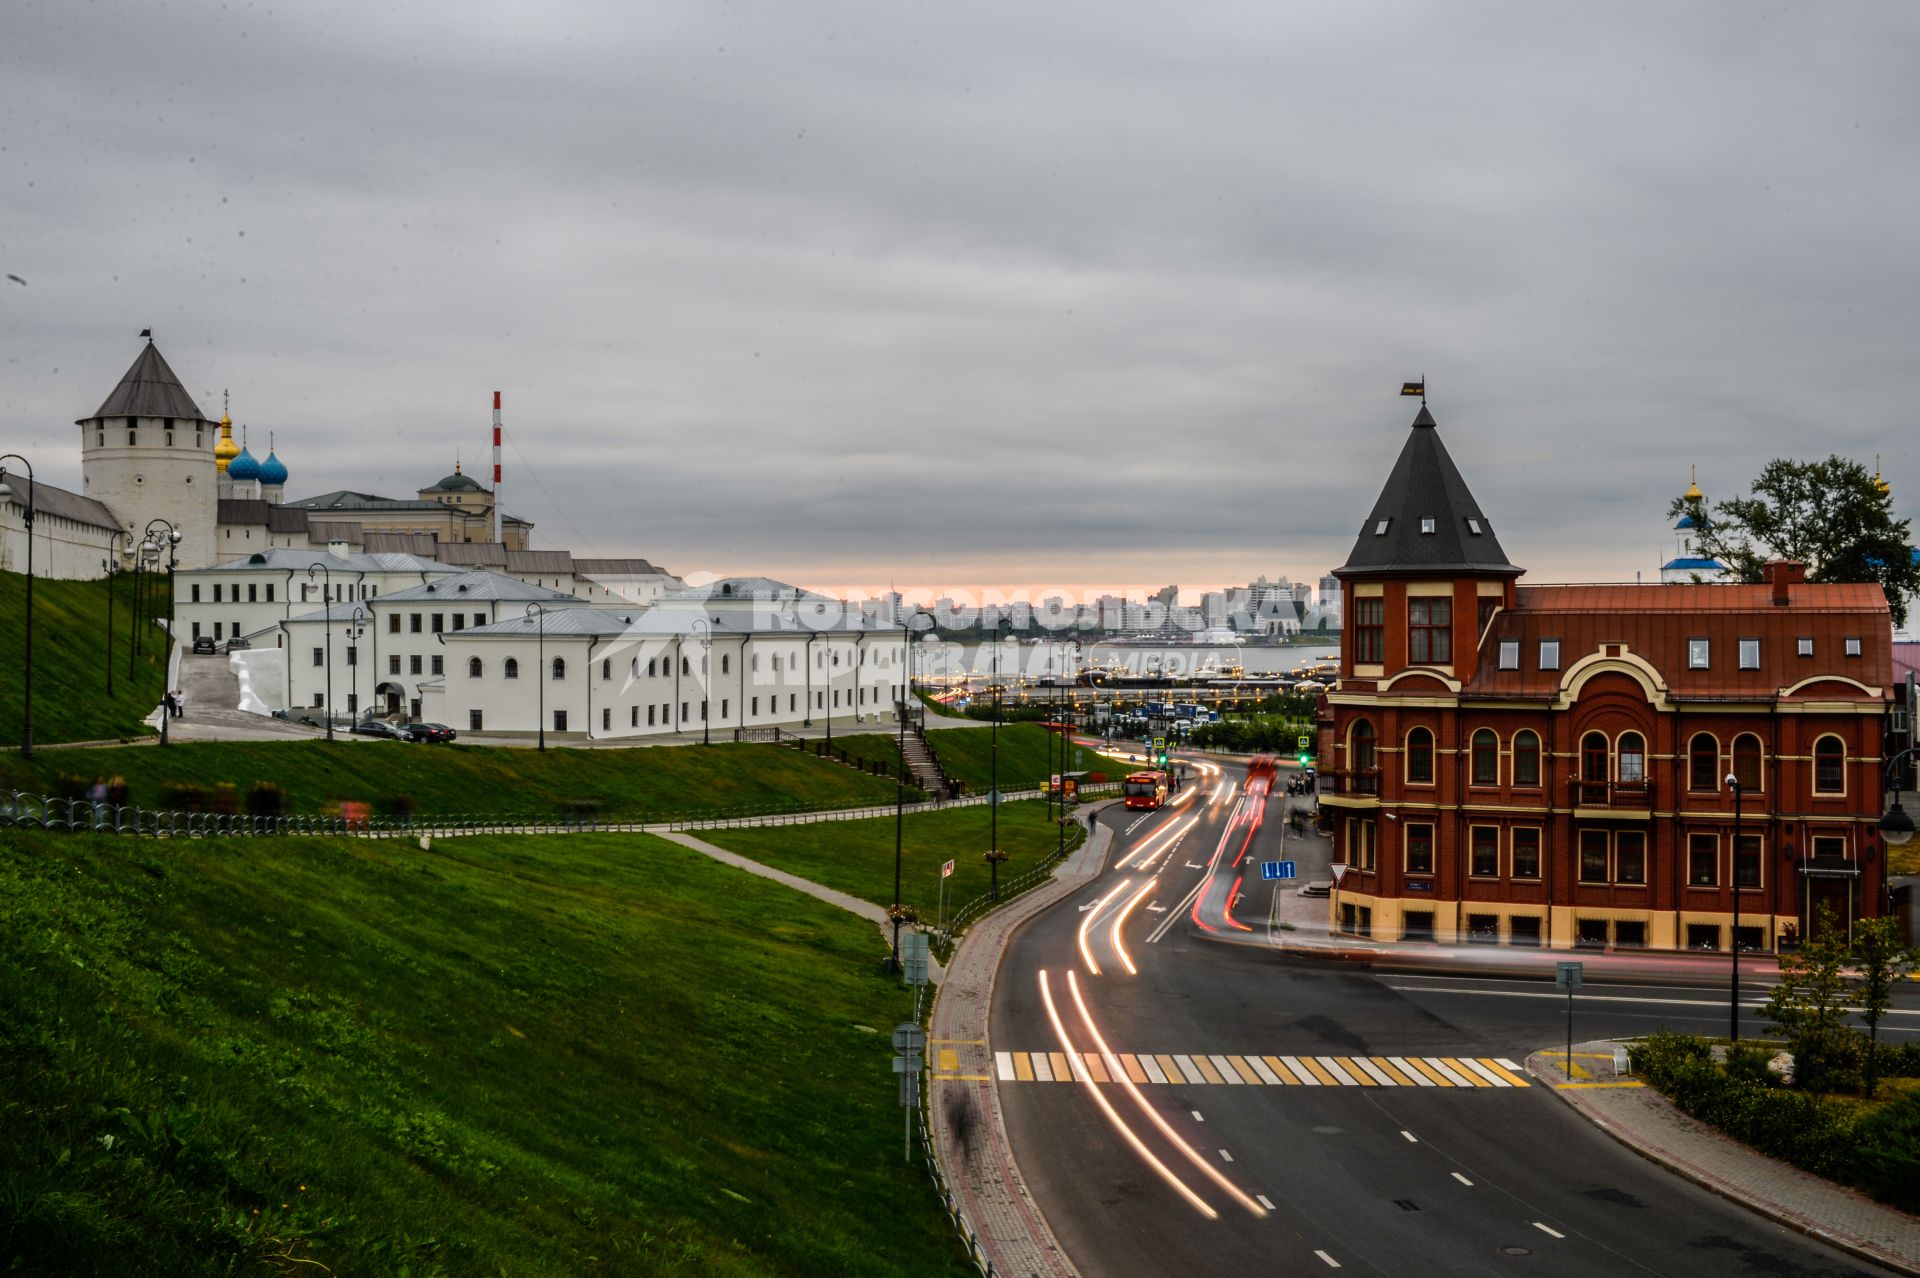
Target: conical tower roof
[
  {"x": 1425, "y": 522},
  {"x": 149, "y": 390}
]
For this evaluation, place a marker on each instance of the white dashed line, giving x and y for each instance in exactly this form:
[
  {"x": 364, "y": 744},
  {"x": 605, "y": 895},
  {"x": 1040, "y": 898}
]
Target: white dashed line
[
  {"x": 1264, "y": 1201},
  {"x": 1331, "y": 1262},
  {"x": 1411, "y": 1138},
  {"x": 1225, "y": 1157},
  {"x": 1003, "y": 1065},
  {"x": 1463, "y": 1180},
  {"x": 1196, "y": 1116},
  {"x": 1551, "y": 1233}
]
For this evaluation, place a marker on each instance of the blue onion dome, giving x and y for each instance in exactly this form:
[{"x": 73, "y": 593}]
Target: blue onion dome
[
  {"x": 273, "y": 470},
  {"x": 244, "y": 466}
]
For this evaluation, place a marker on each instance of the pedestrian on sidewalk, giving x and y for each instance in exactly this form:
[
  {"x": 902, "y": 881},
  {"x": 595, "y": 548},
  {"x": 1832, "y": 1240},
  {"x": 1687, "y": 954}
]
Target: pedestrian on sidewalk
[
  {"x": 960, "y": 1121},
  {"x": 179, "y": 703}
]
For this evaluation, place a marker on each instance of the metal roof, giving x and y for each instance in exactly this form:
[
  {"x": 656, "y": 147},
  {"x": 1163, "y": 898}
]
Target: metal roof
[
  {"x": 744, "y": 590},
  {"x": 471, "y": 552},
  {"x": 1425, "y": 522},
  {"x": 287, "y": 558},
  {"x": 478, "y": 583},
  {"x": 58, "y": 502},
  {"x": 558, "y": 562},
  {"x": 149, "y": 389},
  {"x": 617, "y": 568}
]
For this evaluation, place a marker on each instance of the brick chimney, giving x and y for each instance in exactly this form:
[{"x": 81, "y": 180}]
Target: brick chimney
[{"x": 1782, "y": 575}]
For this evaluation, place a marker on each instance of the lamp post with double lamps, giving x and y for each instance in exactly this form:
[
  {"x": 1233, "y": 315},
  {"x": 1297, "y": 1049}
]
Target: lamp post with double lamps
[
  {"x": 898, "y": 911},
  {"x": 1733, "y": 1009},
  {"x": 161, "y": 534},
  {"x": 1066, "y": 741},
  {"x": 26, "y": 703},
  {"x": 994, "y": 855},
  {"x": 356, "y": 627},
  {"x": 114, "y": 547},
  {"x": 704, "y": 629},
  {"x": 1896, "y": 826},
  {"x": 539, "y": 613},
  {"x": 326, "y": 614},
  {"x": 807, "y": 720}
]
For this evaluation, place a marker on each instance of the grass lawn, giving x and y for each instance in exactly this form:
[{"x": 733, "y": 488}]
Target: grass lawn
[
  {"x": 540, "y": 1056},
  {"x": 967, "y": 753},
  {"x": 457, "y": 779},
  {"x": 857, "y": 856},
  {"x": 70, "y": 701}
]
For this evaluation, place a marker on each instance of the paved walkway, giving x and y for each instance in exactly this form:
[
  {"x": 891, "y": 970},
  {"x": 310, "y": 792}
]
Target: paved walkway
[
  {"x": 1648, "y": 1123},
  {"x": 985, "y": 1181},
  {"x": 874, "y": 914}
]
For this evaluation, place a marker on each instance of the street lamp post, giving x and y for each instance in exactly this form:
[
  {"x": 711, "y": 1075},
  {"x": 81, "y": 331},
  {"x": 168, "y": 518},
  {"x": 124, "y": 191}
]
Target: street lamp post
[
  {"x": 704, "y": 628},
  {"x": 807, "y": 720},
  {"x": 539, "y": 614},
  {"x": 993, "y": 785},
  {"x": 150, "y": 551},
  {"x": 1066, "y": 740},
  {"x": 357, "y": 626},
  {"x": 326, "y": 613},
  {"x": 1896, "y": 826},
  {"x": 1733, "y": 1011},
  {"x": 900, "y": 781},
  {"x": 26, "y": 718},
  {"x": 114, "y": 548}
]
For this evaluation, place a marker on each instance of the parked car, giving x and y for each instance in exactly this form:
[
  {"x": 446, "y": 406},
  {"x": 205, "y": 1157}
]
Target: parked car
[
  {"x": 236, "y": 644},
  {"x": 437, "y": 732},
  {"x": 204, "y": 646},
  {"x": 380, "y": 728}
]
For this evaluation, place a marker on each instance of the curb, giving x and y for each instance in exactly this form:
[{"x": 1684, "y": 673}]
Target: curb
[{"x": 1779, "y": 1213}]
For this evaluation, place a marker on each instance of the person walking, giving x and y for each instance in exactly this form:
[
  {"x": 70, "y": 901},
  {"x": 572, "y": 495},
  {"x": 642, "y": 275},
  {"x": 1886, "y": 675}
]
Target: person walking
[{"x": 179, "y": 703}]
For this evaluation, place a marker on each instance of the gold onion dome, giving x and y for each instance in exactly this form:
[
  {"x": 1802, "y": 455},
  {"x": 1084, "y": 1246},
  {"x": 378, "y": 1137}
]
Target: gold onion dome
[
  {"x": 1693, "y": 492},
  {"x": 225, "y": 450}
]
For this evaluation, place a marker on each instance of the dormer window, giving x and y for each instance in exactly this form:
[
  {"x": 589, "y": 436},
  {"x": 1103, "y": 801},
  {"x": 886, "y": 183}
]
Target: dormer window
[
  {"x": 1473, "y": 526},
  {"x": 1427, "y": 526},
  {"x": 1380, "y": 529}
]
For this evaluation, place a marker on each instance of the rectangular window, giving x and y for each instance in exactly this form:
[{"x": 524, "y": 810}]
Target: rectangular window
[
  {"x": 1593, "y": 856},
  {"x": 1746, "y": 862},
  {"x": 1370, "y": 630},
  {"x": 393, "y": 623},
  {"x": 353, "y": 655},
  {"x": 439, "y": 623},
  {"x": 438, "y": 664},
  {"x": 1749, "y": 654},
  {"x": 1429, "y": 631},
  {"x": 393, "y": 663},
  {"x": 413, "y": 622},
  {"x": 1699, "y": 654},
  {"x": 319, "y": 656},
  {"x": 459, "y": 621},
  {"x": 1804, "y": 645},
  {"x": 1828, "y": 847},
  {"x": 683, "y": 712},
  {"x": 216, "y": 592},
  {"x": 649, "y": 716},
  {"x": 1852, "y": 645},
  {"x": 413, "y": 664},
  {"x": 1630, "y": 857},
  {"x": 1419, "y": 849},
  {"x": 269, "y": 592},
  {"x": 559, "y": 720},
  {"x": 1486, "y": 852},
  {"x": 353, "y": 703},
  {"x": 1509, "y": 654},
  {"x": 196, "y": 592},
  {"x": 606, "y": 720},
  {"x": 1549, "y": 654},
  {"x": 479, "y": 618},
  {"x": 218, "y": 624},
  {"x": 1380, "y": 529},
  {"x": 474, "y": 721},
  {"x": 1427, "y": 525},
  {"x": 1703, "y": 860},
  {"x": 1526, "y": 853},
  {"x": 1489, "y": 605},
  {"x": 635, "y": 717},
  {"x": 756, "y": 705},
  {"x": 196, "y": 630},
  {"x": 253, "y": 593}
]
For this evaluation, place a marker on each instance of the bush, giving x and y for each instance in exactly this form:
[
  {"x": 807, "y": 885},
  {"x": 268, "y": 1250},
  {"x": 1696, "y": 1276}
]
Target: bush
[
  {"x": 1807, "y": 1131},
  {"x": 1748, "y": 1063},
  {"x": 266, "y": 799},
  {"x": 184, "y": 796},
  {"x": 1901, "y": 1061},
  {"x": 1886, "y": 1161}
]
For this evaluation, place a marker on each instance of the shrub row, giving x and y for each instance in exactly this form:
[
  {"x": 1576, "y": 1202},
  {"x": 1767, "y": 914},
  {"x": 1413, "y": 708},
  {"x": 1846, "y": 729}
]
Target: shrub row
[{"x": 1878, "y": 1152}]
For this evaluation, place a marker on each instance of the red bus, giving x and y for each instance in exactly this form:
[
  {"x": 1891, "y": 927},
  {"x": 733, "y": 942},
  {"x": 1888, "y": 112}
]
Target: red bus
[{"x": 1145, "y": 789}]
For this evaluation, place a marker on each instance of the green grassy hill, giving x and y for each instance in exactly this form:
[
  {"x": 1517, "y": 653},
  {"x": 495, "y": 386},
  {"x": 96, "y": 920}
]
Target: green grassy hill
[
  {"x": 1029, "y": 754},
  {"x": 479, "y": 780},
  {"x": 70, "y": 701},
  {"x": 536, "y": 1056}
]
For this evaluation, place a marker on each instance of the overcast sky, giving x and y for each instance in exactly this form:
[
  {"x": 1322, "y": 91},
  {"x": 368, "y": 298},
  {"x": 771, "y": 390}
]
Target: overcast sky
[{"x": 953, "y": 295}]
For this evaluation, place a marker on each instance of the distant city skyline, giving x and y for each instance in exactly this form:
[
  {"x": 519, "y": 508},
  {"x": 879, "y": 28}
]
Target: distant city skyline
[{"x": 1074, "y": 297}]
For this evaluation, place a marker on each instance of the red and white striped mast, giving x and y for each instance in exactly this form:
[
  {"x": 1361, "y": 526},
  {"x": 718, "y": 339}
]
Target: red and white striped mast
[{"x": 496, "y": 469}]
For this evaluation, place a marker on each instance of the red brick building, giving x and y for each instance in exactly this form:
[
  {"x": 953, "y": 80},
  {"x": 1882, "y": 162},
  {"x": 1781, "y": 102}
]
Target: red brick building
[{"x": 1547, "y": 765}]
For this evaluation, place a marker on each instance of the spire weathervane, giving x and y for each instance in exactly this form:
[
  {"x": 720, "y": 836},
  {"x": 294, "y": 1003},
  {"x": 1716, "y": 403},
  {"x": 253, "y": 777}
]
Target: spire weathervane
[{"x": 1416, "y": 388}]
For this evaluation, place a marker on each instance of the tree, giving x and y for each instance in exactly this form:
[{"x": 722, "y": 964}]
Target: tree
[
  {"x": 1831, "y": 515},
  {"x": 1809, "y": 1005},
  {"x": 1881, "y": 960}
]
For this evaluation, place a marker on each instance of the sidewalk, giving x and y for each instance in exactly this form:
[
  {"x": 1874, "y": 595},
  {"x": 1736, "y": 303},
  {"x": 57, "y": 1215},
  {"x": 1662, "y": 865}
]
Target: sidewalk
[
  {"x": 985, "y": 1181},
  {"x": 1648, "y": 1123}
]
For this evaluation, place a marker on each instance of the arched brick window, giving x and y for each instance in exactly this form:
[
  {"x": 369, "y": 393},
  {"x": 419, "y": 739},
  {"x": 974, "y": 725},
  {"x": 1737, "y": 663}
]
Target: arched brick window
[
  {"x": 1486, "y": 757},
  {"x": 1746, "y": 761},
  {"x": 1420, "y": 756},
  {"x": 1829, "y": 766},
  {"x": 1593, "y": 758},
  {"x": 1703, "y": 762},
  {"x": 1526, "y": 757}
]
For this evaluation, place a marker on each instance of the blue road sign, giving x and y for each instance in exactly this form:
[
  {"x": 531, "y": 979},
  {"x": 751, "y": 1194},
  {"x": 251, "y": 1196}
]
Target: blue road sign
[
  {"x": 1287, "y": 870},
  {"x": 1277, "y": 870}
]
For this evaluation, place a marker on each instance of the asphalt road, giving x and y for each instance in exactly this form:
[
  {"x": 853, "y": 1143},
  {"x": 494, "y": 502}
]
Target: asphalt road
[{"x": 1443, "y": 1166}]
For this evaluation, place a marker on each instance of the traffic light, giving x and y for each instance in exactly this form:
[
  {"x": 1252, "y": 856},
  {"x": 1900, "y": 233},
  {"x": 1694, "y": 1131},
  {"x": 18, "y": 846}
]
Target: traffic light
[{"x": 1304, "y": 744}]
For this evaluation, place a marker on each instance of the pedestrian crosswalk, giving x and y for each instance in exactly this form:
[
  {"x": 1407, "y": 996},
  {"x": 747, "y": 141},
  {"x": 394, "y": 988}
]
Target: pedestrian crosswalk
[{"x": 1197, "y": 1070}]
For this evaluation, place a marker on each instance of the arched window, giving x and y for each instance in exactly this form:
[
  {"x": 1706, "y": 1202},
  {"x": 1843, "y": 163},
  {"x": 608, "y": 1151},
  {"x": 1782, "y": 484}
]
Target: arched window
[
  {"x": 1420, "y": 757},
  {"x": 1486, "y": 757},
  {"x": 1593, "y": 758},
  {"x": 1526, "y": 758},
  {"x": 1746, "y": 761},
  {"x": 606, "y": 668},
  {"x": 474, "y": 667},
  {"x": 1360, "y": 752},
  {"x": 559, "y": 667},
  {"x": 1703, "y": 762},
  {"x": 1632, "y": 759},
  {"x": 726, "y": 663},
  {"x": 1829, "y": 766},
  {"x": 512, "y": 669}
]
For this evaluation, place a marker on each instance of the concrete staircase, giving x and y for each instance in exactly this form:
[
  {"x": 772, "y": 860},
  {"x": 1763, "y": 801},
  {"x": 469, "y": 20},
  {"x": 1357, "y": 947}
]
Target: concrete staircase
[{"x": 922, "y": 765}]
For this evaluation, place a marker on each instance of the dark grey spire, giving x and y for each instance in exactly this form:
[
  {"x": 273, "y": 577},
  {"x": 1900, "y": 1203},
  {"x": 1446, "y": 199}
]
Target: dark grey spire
[
  {"x": 149, "y": 390},
  {"x": 1425, "y": 521}
]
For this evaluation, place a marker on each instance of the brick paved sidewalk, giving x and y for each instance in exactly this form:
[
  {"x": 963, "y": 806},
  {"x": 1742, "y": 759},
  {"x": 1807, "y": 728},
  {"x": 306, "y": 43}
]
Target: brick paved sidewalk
[
  {"x": 1649, "y": 1124},
  {"x": 983, "y": 1177}
]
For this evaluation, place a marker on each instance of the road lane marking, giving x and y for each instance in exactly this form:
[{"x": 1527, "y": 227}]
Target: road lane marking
[
  {"x": 1206, "y": 1069},
  {"x": 1042, "y": 1067},
  {"x": 1319, "y": 1071},
  {"x": 1551, "y": 1233},
  {"x": 1171, "y": 1068},
  {"x": 1491, "y": 1076},
  {"x": 1411, "y": 1138},
  {"x": 1419, "y": 1079},
  {"x": 1351, "y": 1067},
  {"x": 1463, "y": 1180},
  {"x": 1506, "y": 1069},
  {"x": 1132, "y": 1065},
  {"x": 1152, "y": 1068},
  {"x": 1279, "y": 1067},
  {"x": 1264, "y": 1201},
  {"x": 1434, "y": 1077},
  {"x": 1504, "y": 1063},
  {"x": 1003, "y": 1066},
  {"x": 1373, "y": 1071},
  {"x": 1185, "y": 1065},
  {"x": 1331, "y": 1262},
  {"x": 1237, "y": 1070},
  {"x": 1023, "y": 1067},
  {"x": 1246, "y": 1071},
  {"x": 1197, "y": 1116},
  {"x": 1264, "y": 1070},
  {"x": 1062, "y": 1072},
  {"x": 1386, "y": 1066},
  {"x": 1225, "y": 1157},
  {"x": 1228, "y": 1074},
  {"x": 1097, "y": 1067},
  {"x": 1446, "y": 1071},
  {"x": 1300, "y": 1071}
]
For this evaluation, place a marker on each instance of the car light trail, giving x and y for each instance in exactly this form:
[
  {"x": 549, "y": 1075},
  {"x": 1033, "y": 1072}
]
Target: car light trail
[
  {"x": 1119, "y": 921},
  {"x": 1080, "y": 1075},
  {"x": 1169, "y": 834},
  {"x": 1093, "y": 912},
  {"x": 1118, "y": 1073},
  {"x": 1227, "y": 913}
]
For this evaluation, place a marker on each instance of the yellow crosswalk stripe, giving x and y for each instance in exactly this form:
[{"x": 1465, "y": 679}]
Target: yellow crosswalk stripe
[{"x": 1220, "y": 1069}]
